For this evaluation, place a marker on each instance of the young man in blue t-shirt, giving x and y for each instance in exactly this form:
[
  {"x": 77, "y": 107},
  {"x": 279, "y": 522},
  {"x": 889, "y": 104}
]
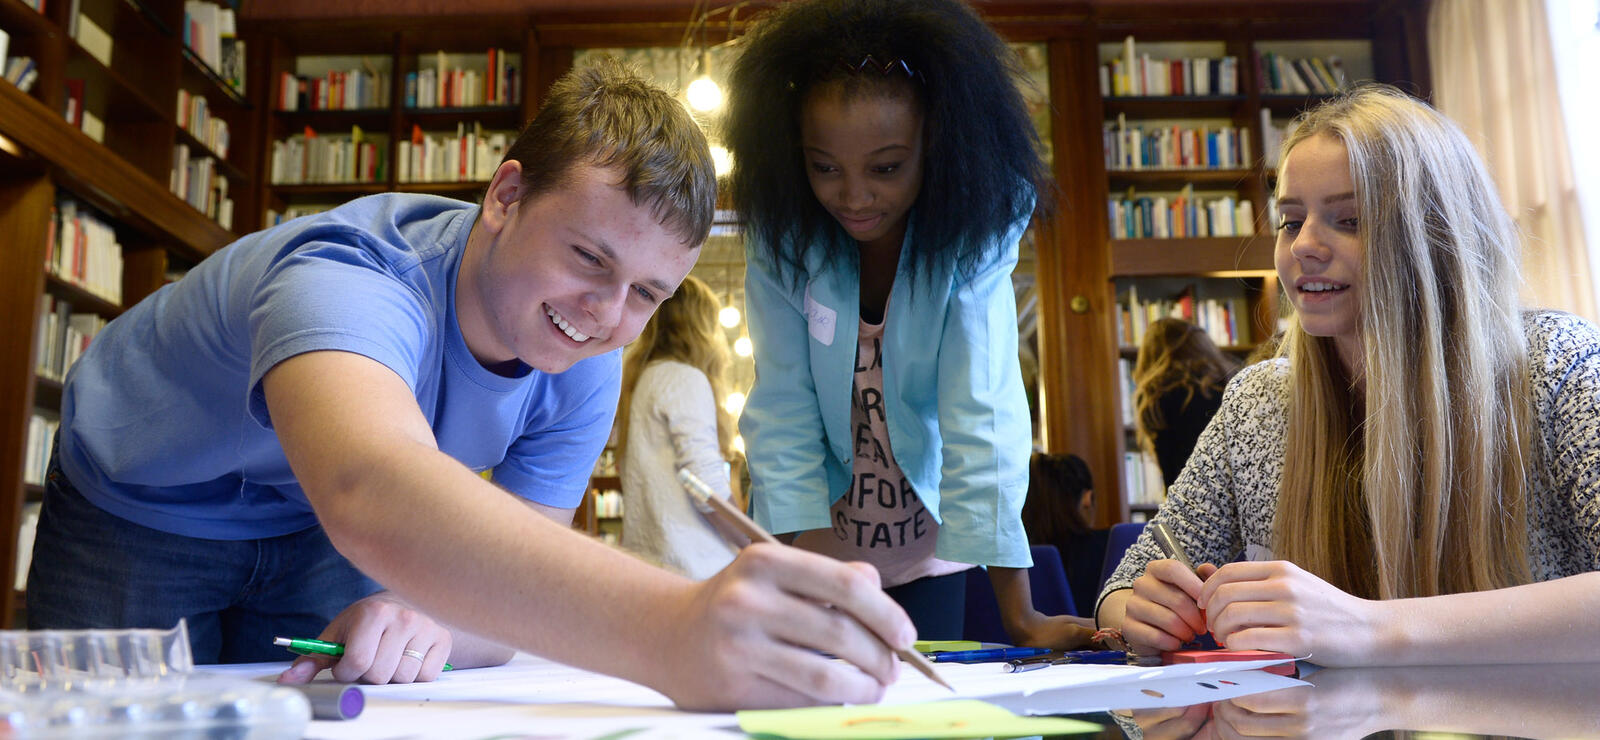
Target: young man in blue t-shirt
[{"x": 329, "y": 388}]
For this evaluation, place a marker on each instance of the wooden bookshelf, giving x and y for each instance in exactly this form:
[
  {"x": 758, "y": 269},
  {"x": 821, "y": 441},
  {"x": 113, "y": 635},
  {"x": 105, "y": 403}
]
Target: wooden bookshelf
[
  {"x": 1083, "y": 392},
  {"x": 394, "y": 47},
  {"x": 124, "y": 177}
]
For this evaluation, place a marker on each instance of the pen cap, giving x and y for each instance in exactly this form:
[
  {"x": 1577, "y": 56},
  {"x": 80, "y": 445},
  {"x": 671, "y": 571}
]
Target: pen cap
[{"x": 334, "y": 700}]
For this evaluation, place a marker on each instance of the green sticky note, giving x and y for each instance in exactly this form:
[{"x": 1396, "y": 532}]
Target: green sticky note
[
  {"x": 960, "y": 718},
  {"x": 945, "y": 646}
]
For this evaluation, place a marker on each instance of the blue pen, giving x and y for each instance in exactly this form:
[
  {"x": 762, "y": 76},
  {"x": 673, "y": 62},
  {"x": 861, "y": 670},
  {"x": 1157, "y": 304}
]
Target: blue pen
[{"x": 991, "y": 654}]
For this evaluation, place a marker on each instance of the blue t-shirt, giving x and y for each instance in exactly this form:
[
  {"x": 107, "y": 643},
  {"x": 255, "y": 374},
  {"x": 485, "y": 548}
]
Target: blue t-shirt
[{"x": 163, "y": 421}]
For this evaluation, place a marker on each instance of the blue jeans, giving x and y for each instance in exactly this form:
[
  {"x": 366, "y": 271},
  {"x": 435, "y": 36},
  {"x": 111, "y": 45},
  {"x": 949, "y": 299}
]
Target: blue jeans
[
  {"x": 935, "y": 604},
  {"x": 94, "y": 569}
]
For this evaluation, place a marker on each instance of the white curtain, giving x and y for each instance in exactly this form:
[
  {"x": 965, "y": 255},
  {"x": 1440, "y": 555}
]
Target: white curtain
[{"x": 1493, "y": 73}]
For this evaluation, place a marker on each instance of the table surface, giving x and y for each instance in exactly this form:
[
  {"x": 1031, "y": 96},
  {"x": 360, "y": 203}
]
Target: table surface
[{"x": 537, "y": 698}]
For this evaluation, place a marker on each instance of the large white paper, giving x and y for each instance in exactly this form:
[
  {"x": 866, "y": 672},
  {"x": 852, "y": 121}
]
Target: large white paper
[{"x": 537, "y": 698}]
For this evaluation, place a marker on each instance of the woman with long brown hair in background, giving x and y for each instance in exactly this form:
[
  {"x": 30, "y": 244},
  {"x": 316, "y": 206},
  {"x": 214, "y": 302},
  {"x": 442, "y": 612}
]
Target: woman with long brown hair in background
[{"x": 1178, "y": 377}]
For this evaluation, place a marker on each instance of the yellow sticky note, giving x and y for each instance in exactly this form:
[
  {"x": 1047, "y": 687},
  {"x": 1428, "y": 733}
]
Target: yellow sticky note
[
  {"x": 945, "y": 646},
  {"x": 962, "y": 718}
]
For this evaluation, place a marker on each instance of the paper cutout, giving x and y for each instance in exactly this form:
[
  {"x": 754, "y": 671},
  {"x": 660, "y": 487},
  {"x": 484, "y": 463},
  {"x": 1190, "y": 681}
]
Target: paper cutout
[{"x": 943, "y": 719}]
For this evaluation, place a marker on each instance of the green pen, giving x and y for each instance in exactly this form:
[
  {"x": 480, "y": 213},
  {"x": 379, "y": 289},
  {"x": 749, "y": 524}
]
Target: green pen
[{"x": 308, "y": 646}]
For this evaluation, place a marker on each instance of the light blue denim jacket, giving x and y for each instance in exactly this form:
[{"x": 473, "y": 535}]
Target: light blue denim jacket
[{"x": 957, "y": 414}]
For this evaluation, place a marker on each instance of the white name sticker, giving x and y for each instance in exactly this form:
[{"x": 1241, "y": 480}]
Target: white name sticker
[{"x": 820, "y": 320}]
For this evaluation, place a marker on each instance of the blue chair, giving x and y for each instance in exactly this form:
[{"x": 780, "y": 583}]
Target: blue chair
[
  {"x": 1121, "y": 538},
  {"x": 1048, "y": 581}
]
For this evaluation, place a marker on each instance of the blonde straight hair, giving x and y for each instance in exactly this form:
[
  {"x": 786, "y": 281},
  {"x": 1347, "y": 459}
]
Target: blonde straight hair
[
  {"x": 684, "y": 329},
  {"x": 1412, "y": 480}
]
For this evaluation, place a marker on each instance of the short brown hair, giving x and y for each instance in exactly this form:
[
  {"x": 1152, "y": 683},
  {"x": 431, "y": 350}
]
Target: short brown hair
[{"x": 608, "y": 115}]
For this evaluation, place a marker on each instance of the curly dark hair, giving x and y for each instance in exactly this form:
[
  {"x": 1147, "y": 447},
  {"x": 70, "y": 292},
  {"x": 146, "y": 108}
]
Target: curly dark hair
[{"x": 982, "y": 169}]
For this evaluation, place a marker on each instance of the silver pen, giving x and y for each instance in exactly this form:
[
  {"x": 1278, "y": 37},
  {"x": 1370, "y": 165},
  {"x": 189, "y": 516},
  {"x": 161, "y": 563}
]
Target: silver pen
[{"x": 1168, "y": 544}]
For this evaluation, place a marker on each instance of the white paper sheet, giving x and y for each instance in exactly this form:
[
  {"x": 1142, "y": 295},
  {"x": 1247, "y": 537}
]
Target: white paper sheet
[{"x": 535, "y": 698}]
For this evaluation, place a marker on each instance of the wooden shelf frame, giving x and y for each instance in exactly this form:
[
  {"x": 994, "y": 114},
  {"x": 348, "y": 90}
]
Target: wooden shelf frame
[{"x": 43, "y": 158}]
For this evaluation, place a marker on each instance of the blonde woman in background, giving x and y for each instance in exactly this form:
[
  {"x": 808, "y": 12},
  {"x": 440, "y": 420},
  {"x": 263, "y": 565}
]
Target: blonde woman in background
[
  {"x": 1418, "y": 480},
  {"x": 668, "y": 418},
  {"x": 1178, "y": 378}
]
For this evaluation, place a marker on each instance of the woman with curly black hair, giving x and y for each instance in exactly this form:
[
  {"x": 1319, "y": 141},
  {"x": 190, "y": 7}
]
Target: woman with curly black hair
[{"x": 886, "y": 166}]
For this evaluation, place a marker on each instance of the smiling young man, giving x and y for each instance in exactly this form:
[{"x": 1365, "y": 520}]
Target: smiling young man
[{"x": 302, "y": 418}]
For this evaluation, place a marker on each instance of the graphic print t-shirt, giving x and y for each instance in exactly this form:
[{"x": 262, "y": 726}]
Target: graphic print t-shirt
[{"x": 880, "y": 520}]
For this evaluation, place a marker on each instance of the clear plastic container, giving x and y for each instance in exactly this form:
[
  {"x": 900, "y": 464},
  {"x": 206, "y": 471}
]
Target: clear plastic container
[
  {"x": 132, "y": 683},
  {"x": 197, "y": 705},
  {"x": 71, "y": 660}
]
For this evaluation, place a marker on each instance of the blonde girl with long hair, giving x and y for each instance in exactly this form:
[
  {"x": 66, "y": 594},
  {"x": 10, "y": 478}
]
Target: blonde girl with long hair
[
  {"x": 668, "y": 418},
  {"x": 1178, "y": 379},
  {"x": 1416, "y": 481}
]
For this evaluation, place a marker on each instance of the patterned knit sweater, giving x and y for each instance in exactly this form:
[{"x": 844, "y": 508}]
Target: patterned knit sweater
[{"x": 1222, "y": 505}]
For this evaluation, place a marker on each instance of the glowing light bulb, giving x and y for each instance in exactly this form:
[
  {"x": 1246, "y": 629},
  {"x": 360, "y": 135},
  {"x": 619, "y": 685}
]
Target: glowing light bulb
[
  {"x": 704, "y": 95},
  {"x": 734, "y": 403},
  {"x": 742, "y": 347},
  {"x": 728, "y": 316},
  {"x": 722, "y": 162},
  {"x": 738, "y": 444}
]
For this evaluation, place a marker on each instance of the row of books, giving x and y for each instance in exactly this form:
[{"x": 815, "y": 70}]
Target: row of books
[
  {"x": 311, "y": 158},
  {"x": 41, "y": 431},
  {"x": 211, "y": 32},
  {"x": 195, "y": 180},
  {"x": 608, "y": 504},
  {"x": 1301, "y": 76},
  {"x": 445, "y": 86},
  {"x": 75, "y": 112},
  {"x": 1140, "y": 147},
  {"x": 1225, "y": 320},
  {"x": 194, "y": 116},
  {"x": 1125, "y": 367},
  {"x": 19, "y": 71},
  {"x": 22, "y": 72},
  {"x": 81, "y": 248},
  {"x": 1185, "y": 215},
  {"x": 1134, "y": 74},
  {"x": 275, "y": 217},
  {"x": 1142, "y": 478},
  {"x": 349, "y": 89},
  {"x": 25, "y": 537},
  {"x": 469, "y": 156},
  {"x": 63, "y": 336},
  {"x": 89, "y": 35},
  {"x": 1271, "y": 139}
]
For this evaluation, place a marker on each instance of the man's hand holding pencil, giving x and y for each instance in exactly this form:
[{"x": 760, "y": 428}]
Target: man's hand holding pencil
[{"x": 779, "y": 609}]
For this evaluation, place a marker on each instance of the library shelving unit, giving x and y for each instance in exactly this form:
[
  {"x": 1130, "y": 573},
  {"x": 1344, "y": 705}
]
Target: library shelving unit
[
  {"x": 1199, "y": 136},
  {"x": 344, "y": 100},
  {"x": 122, "y": 67}
]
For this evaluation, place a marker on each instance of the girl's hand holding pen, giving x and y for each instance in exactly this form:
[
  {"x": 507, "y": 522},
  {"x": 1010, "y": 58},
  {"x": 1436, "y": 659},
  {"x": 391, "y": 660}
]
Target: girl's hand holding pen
[
  {"x": 1164, "y": 611},
  {"x": 1275, "y": 605}
]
